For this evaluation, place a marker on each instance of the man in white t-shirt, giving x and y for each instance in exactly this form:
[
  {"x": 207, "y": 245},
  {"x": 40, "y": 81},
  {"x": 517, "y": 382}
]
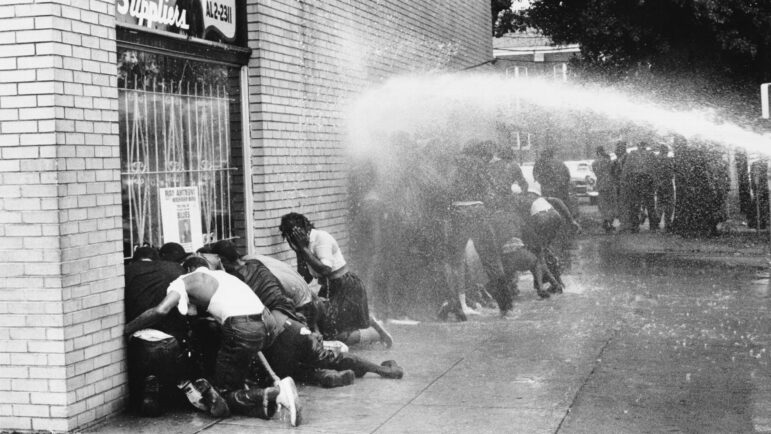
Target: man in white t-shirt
[{"x": 247, "y": 327}]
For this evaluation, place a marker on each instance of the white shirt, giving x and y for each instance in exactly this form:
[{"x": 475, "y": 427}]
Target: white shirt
[
  {"x": 540, "y": 205},
  {"x": 325, "y": 247},
  {"x": 232, "y": 297}
]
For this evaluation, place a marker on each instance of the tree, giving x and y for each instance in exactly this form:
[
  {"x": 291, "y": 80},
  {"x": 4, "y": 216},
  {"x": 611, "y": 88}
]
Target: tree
[
  {"x": 706, "y": 44},
  {"x": 659, "y": 33}
]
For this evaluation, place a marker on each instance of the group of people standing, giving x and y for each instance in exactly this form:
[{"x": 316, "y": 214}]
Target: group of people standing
[
  {"x": 683, "y": 194},
  {"x": 220, "y": 328}
]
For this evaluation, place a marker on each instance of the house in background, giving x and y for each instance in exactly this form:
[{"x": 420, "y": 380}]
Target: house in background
[{"x": 531, "y": 54}]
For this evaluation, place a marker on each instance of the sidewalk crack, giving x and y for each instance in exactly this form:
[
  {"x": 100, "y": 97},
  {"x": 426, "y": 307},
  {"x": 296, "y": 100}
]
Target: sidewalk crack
[{"x": 597, "y": 362}]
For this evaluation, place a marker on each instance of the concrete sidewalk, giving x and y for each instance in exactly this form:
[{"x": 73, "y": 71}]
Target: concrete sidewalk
[
  {"x": 485, "y": 375},
  {"x": 638, "y": 343}
]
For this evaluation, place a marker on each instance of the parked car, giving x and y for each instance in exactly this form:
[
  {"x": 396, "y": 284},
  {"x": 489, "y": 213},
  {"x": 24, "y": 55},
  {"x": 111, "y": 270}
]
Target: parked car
[{"x": 582, "y": 179}]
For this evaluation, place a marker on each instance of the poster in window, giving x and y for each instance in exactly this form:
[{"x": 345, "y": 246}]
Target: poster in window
[{"x": 181, "y": 217}]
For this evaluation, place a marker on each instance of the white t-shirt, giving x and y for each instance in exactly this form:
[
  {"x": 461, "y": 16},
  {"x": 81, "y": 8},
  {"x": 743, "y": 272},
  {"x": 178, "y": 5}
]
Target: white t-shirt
[
  {"x": 540, "y": 205},
  {"x": 325, "y": 247},
  {"x": 233, "y": 297}
]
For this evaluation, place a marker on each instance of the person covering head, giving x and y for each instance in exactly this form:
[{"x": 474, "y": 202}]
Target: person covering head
[
  {"x": 293, "y": 220},
  {"x": 145, "y": 253},
  {"x": 173, "y": 252},
  {"x": 601, "y": 151},
  {"x": 195, "y": 262},
  {"x": 226, "y": 250}
]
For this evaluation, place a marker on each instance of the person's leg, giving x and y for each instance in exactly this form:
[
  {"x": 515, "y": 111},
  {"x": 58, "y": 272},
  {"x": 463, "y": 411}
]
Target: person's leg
[
  {"x": 155, "y": 367},
  {"x": 489, "y": 251},
  {"x": 241, "y": 340},
  {"x": 315, "y": 356},
  {"x": 649, "y": 203},
  {"x": 456, "y": 236}
]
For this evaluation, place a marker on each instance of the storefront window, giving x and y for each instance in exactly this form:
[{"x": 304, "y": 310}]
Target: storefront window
[{"x": 179, "y": 127}]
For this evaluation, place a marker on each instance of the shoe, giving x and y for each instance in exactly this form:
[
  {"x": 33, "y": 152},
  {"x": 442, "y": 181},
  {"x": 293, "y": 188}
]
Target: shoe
[
  {"x": 329, "y": 378},
  {"x": 392, "y": 370},
  {"x": 444, "y": 311},
  {"x": 288, "y": 400},
  {"x": 151, "y": 404},
  {"x": 385, "y": 337},
  {"x": 215, "y": 403},
  {"x": 543, "y": 294},
  {"x": 555, "y": 289},
  {"x": 459, "y": 314}
]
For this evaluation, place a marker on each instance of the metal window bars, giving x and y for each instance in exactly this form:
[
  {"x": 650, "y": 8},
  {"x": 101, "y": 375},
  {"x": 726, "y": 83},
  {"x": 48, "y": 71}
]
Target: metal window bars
[{"x": 174, "y": 134}]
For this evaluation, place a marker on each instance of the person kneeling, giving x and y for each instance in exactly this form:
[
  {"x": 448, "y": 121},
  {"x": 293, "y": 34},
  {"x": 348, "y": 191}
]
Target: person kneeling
[{"x": 247, "y": 327}]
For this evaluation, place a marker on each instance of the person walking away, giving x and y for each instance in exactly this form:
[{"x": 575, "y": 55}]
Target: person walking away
[
  {"x": 622, "y": 195},
  {"x": 606, "y": 189},
  {"x": 665, "y": 188},
  {"x": 468, "y": 218},
  {"x": 638, "y": 187},
  {"x": 503, "y": 173},
  {"x": 553, "y": 175}
]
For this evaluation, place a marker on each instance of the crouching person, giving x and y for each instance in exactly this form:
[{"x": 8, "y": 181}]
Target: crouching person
[
  {"x": 346, "y": 317},
  {"x": 247, "y": 327},
  {"x": 156, "y": 360},
  {"x": 301, "y": 354}
]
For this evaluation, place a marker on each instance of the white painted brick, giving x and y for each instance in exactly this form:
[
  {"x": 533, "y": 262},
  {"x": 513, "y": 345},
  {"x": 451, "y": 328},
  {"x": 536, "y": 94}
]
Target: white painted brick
[
  {"x": 55, "y": 423},
  {"x": 16, "y": 423}
]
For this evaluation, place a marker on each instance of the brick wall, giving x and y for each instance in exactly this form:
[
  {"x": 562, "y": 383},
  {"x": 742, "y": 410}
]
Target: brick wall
[
  {"x": 310, "y": 58},
  {"x": 61, "y": 310},
  {"x": 61, "y": 277}
]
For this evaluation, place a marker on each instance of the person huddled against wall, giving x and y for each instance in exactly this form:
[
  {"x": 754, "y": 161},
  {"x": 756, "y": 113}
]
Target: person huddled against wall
[
  {"x": 159, "y": 367},
  {"x": 296, "y": 351},
  {"x": 346, "y": 315},
  {"x": 602, "y": 167},
  {"x": 247, "y": 327},
  {"x": 277, "y": 284}
]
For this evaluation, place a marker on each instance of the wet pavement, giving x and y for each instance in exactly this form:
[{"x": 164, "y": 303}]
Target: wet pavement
[{"x": 664, "y": 339}]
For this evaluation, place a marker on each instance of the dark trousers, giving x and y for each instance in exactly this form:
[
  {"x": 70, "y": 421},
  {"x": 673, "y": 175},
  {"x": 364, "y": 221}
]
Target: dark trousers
[
  {"x": 472, "y": 222},
  {"x": 242, "y": 338},
  {"x": 296, "y": 353},
  {"x": 347, "y": 309},
  {"x": 165, "y": 360},
  {"x": 641, "y": 197}
]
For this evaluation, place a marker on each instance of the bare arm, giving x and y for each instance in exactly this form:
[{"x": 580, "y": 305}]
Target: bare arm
[
  {"x": 561, "y": 208},
  {"x": 299, "y": 240},
  {"x": 153, "y": 315}
]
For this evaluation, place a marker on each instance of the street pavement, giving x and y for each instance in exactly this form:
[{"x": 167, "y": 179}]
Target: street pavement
[{"x": 653, "y": 334}]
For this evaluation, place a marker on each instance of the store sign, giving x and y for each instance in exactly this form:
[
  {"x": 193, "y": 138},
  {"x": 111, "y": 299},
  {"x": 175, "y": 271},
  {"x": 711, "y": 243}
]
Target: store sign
[
  {"x": 203, "y": 19},
  {"x": 181, "y": 217},
  {"x": 220, "y": 16},
  {"x": 148, "y": 13}
]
